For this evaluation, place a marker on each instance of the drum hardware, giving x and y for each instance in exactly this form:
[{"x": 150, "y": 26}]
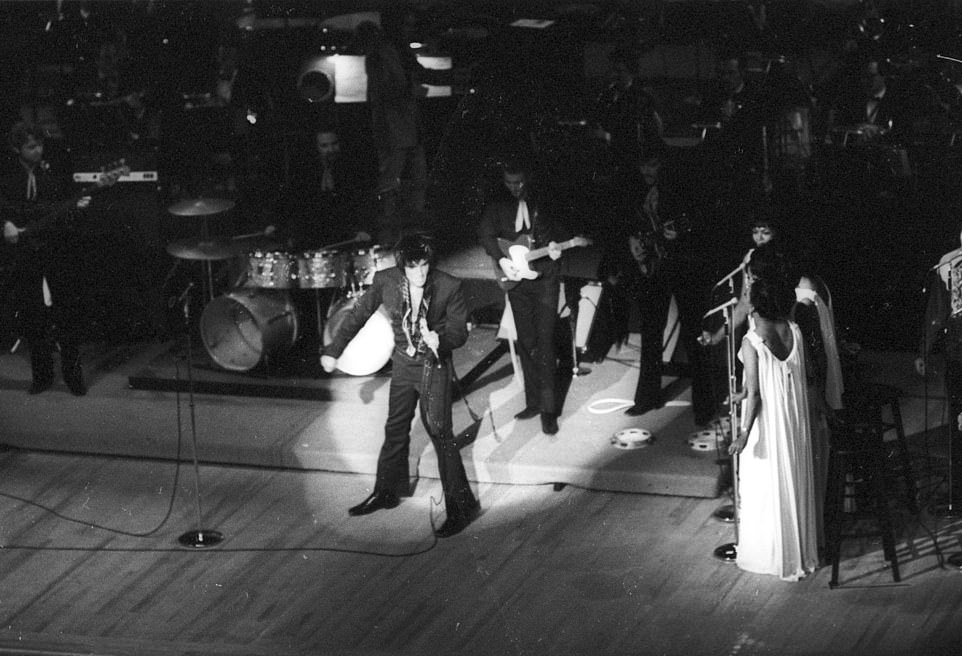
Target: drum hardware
[
  {"x": 200, "y": 207},
  {"x": 201, "y": 249},
  {"x": 203, "y": 208},
  {"x": 198, "y": 538}
]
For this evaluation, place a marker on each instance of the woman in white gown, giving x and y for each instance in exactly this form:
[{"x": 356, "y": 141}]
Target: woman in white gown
[{"x": 776, "y": 512}]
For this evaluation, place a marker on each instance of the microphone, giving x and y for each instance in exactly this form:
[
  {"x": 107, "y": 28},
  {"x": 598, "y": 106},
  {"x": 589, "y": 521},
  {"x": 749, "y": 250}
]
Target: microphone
[
  {"x": 424, "y": 329},
  {"x": 947, "y": 259},
  {"x": 728, "y": 303}
]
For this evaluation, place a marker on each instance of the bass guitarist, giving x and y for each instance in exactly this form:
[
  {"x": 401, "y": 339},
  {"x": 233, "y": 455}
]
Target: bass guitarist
[
  {"x": 520, "y": 214},
  {"x": 38, "y": 245},
  {"x": 660, "y": 243}
]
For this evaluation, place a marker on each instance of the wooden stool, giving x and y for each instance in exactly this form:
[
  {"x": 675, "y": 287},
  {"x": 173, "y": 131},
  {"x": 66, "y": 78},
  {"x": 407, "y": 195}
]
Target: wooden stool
[
  {"x": 857, "y": 472},
  {"x": 871, "y": 399}
]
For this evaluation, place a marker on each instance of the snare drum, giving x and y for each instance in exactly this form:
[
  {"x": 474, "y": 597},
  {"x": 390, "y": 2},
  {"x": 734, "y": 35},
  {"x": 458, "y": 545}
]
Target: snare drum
[
  {"x": 321, "y": 269},
  {"x": 366, "y": 262},
  {"x": 270, "y": 269}
]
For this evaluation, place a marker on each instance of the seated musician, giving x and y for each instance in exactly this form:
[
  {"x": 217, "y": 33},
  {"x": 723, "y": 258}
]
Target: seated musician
[
  {"x": 330, "y": 198},
  {"x": 42, "y": 288}
]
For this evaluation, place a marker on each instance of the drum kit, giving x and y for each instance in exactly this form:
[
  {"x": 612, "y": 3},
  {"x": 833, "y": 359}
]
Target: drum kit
[{"x": 257, "y": 318}]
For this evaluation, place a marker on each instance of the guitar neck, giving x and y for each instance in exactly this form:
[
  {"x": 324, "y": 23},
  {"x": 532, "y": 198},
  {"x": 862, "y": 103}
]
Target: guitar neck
[{"x": 538, "y": 253}]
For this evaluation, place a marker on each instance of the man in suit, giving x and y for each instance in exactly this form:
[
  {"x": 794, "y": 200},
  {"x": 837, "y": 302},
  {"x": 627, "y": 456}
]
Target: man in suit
[
  {"x": 429, "y": 318},
  {"x": 44, "y": 291},
  {"x": 534, "y": 303}
]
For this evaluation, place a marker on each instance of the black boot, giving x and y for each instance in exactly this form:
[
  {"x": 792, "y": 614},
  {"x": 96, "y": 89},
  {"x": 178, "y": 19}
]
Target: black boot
[
  {"x": 41, "y": 366},
  {"x": 73, "y": 373}
]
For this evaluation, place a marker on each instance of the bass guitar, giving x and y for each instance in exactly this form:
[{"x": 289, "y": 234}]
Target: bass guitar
[
  {"x": 520, "y": 253},
  {"x": 107, "y": 178}
]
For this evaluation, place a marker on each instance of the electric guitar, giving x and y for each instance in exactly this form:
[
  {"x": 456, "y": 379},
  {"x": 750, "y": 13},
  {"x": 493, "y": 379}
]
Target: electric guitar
[
  {"x": 107, "y": 178},
  {"x": 520, "y": 253},
  {"x": 651, "y": 248}
]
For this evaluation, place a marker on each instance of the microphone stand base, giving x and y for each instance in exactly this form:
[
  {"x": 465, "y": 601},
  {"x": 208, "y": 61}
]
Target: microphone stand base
[
  {"x": 201, "y": 538},
  {"x": 725, "y": 514},
  {"x": 580, "y": 371},
  {"x": 726, "y": 552}
]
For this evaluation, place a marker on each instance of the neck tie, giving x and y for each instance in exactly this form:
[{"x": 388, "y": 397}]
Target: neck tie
[
  {"x": 327, "y": 180},
  {"x": 521, "y": 220},
  {"x": 31, "y": 186}
]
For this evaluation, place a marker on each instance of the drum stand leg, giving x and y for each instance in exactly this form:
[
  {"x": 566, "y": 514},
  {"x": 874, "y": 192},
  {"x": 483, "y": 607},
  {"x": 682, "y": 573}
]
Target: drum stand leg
[{"x": 198, "y": 538}]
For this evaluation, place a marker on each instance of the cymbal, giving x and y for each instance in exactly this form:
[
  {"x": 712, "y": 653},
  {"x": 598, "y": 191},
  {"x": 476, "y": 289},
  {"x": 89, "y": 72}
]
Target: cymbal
[
  {"x": 200, "y": 207},
  {"x": 207, "y": 249}
]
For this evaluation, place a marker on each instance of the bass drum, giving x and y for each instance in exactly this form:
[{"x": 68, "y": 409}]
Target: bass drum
[
  {"x": 241, "y": 328},
  {"x": 370, "y": 349}
]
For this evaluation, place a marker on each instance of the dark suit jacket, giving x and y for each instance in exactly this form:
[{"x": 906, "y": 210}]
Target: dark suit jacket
[
  {"x": 447, "y": 313},
  {"x": 497, "y": 221}
]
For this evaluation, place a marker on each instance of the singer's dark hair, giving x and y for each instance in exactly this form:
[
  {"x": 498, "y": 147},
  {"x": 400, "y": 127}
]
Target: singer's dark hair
[
  {"x": 772, "y": 298},
  {"x": 414, "y": 248}
]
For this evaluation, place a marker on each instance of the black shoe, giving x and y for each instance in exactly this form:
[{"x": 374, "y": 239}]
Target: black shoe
[
  {"x": 527, "y": 413},
  {"x": 549, "y": 423},
  {"x": 458, "y": 522},
  {"x": 638, "y": 410},
  {"x": 40, "y": 385},
  {"x": 377, "y": 501},
  {"x": 75, "y": 381}
]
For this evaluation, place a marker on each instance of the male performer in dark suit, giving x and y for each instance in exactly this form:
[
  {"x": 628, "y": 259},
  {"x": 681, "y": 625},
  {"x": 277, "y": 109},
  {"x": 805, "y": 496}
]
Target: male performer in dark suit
[
  {"x": 44, "y": 290},
  {"x": 534, "y": 303},
  {"x": 429, "y": 318}
]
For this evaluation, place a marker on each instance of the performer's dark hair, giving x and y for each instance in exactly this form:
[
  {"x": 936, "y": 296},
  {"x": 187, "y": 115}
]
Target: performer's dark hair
[
  {"x": 414, "y": 248},
  {"x": 773, "y": 293}
]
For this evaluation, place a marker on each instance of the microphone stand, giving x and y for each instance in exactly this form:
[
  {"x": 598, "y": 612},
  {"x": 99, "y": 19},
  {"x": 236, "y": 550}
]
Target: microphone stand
[
  {"x": 198, "y": 538},
  {"x": 728, "y": 552}
]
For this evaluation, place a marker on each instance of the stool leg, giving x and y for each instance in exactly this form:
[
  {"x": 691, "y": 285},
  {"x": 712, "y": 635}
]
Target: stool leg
[
  {"x": 882, "y": 514},
  {"x": 903, "y": 446},
  {"x": 835, "y": 497}
]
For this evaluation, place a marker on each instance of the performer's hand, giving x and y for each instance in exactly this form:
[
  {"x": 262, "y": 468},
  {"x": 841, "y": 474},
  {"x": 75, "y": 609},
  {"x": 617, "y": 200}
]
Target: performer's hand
[
  {"x": 669, "y": 232},
  {"x": 83, "y": 203},
  {"x": 328, "y": 363},
  {"x": 737, "y": 398},
  {"x": 738, "y": 444},
  {"x": 920, "y": 366},
  {"x": 510, "y": 270},
  {"x": 431, "y": 339},
  {"x": 554, "y": 251},
  {"x": 11, "y": 233}
]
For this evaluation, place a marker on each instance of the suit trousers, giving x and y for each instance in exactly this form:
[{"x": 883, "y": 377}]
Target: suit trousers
[
  {"x": 534, "y": 304},
  {"x": 407, "y": 383}
]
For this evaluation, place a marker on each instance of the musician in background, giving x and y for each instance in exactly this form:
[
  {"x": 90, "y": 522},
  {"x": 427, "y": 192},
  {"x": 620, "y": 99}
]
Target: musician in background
[
  {"x": 521, "y": 214},
  {"x": 42, "y": 289},
  {"x": 942, "y": 333},
  {"x": 429, "y": 318},
  {"x": 625, "y": 117},
  {"x": 665, "y": 265},
  {"x": 330, "y": 198}
]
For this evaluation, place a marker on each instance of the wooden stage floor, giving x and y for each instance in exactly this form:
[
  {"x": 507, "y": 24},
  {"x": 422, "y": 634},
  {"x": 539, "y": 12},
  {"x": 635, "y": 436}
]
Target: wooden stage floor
[{"x": 91, "y": 563}]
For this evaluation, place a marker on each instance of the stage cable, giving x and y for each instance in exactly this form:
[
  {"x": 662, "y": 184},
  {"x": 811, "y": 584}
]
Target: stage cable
[{"x": 169, "y": 512}]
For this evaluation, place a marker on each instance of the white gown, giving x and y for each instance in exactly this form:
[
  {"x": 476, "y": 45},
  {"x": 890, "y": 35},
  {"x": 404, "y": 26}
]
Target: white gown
[{"x": 776, "y": 512}]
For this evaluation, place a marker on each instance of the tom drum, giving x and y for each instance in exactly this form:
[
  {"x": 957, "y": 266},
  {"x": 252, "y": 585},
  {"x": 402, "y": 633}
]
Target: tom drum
[
  {"x": 321, "y": 269},
  {"x": 270, "y": 270},
  {"x": 241, "y": 328},
  {"x": 366, "y": 262}
]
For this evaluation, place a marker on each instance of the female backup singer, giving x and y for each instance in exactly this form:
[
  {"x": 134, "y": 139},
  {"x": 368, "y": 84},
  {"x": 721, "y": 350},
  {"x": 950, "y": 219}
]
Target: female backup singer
[
  {"x": 776, "y": 487},
  {"x": 429, "y": 318}
]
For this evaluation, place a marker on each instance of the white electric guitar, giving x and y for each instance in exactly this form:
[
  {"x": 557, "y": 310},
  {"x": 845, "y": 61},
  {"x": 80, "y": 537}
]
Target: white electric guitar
[{"x": 520, "y": 253}]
